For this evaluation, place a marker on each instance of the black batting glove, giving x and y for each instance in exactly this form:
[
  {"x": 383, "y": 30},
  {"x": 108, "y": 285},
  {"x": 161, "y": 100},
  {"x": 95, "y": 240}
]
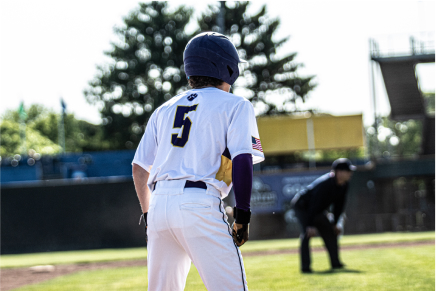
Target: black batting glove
[
  {"x": 240, "y": 226},
  {"x": 144, "y": 218}
]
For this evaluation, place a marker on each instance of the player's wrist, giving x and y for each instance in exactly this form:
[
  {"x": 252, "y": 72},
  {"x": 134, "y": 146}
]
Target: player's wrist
[
  {"x": 241, "y": 216},
  {"x": 141, "y": 218},
  {"x": 240, "y": 226},
  {"x": 144, "y": 215}
]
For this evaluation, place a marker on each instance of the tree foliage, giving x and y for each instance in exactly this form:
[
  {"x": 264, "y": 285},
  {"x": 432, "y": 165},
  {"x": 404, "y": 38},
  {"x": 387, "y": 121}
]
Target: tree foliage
[
  {"x": 394, "y": 139},
  {"x": 41, "y": 133},
  {"x": 429, "y": 102},
  {"x": 146, "y": 67},
  {"x": 12, "y": 142},
  {"x": 146, "y": 70},
  {"x": 270, "y": 81}
]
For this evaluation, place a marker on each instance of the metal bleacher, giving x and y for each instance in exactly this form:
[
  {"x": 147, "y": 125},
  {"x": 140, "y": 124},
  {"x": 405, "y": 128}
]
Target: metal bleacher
[{"x": 405, "y": 97}]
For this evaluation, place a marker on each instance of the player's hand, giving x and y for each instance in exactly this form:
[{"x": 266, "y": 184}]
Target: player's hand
[
  {"x": 144, "y": 217},
  {"x": 337, "y": 229},
  {"x": 240, "y": 226},
  {"x": 310, "y": 231},
  {"x": 240, "y": 233}
]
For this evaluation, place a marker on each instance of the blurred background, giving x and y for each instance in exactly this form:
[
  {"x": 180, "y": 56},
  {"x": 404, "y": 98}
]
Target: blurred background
[{"x": 327, "y": 80}]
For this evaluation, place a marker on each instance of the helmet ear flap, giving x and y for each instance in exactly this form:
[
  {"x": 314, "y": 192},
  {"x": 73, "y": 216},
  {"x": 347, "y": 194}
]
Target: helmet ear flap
[
  {"x": 230, "y": 71},
  {"x": 233, "y": 73}
]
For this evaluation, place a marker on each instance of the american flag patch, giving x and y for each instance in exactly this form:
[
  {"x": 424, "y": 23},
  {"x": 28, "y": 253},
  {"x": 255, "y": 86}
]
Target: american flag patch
[{"x": 255, "y": 142}]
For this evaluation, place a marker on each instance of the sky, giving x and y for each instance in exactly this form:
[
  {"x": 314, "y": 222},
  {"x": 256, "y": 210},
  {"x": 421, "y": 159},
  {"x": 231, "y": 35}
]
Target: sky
[{"x": 49, "y": 49}]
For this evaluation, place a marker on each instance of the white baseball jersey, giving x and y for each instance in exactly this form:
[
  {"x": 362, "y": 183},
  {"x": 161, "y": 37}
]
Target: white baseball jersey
[{"x": 195, "y": 135}]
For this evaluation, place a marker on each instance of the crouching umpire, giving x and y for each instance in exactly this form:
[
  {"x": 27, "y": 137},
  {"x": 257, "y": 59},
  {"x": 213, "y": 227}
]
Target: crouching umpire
[{"x": 311, "y": 207}]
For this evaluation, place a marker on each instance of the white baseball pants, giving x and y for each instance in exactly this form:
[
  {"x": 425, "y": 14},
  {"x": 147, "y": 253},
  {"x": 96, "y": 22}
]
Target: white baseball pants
[{"x": 190, "y": 224}]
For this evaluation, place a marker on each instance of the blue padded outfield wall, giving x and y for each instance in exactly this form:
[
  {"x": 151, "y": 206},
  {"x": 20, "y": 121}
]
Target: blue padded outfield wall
[
  {"x": 71, "y": 165},
  {"x": 88, "y": 201}
]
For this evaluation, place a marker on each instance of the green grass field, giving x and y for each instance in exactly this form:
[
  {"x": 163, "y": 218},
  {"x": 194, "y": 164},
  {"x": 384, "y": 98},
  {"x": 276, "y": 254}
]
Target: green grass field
[
  {"x": 409, "y": 268},
  {"x": 55, "y": 258},
  {"x": 394, "y": 268}
]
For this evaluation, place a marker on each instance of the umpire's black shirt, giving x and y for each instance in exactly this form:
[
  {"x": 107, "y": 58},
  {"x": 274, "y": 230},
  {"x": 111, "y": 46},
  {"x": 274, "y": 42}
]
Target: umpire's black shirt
[{"x": 319, "y": 195}]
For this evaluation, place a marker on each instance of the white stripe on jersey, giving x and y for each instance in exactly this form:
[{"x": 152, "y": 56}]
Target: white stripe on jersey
[{"x": 187, "y": 136}]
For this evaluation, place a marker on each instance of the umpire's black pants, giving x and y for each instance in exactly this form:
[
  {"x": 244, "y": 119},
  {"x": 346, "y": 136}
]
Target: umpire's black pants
[{"x": 326, "y": 231}]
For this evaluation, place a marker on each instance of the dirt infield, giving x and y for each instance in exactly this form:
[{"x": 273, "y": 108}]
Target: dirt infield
[{"x": 16, "y": 277}]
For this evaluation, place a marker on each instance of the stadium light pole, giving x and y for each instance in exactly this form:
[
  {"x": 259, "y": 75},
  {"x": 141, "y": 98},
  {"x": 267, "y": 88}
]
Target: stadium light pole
[
  {"x": 22, "y": 115},
  {"x": 221, "y": 17},
  {"x": 311, "y": 142},
  {"x": 61, "y": 127},
  {"x": 372, "y": 46}
]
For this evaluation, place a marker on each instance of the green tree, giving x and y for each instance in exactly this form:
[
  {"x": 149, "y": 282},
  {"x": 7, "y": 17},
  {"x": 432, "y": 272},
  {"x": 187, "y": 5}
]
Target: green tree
[
  {"x": 11, "y": 141},
  {"x": 270, "y": 81},
  {"x": 42, "y": 132},
  {"x": 146, "y": 70},
  {"x": 394, "y": 138},
  {"x": 429, "y": 102}
]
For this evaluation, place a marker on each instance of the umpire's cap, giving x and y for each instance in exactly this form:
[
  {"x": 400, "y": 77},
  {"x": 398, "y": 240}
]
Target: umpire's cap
[
  {"x": 212, "y": 54},
  {"x": 343, "y": 164}
]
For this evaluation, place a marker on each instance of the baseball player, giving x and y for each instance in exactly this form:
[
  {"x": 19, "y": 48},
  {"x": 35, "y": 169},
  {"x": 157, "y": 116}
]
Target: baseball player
[
  {"x": 195, "y": 148},
  {"x": 311, "y": 206}
]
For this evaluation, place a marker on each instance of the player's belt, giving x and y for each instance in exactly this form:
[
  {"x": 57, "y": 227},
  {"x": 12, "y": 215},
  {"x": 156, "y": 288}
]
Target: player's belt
[
  {"x": 191, "y": 184},
  {"x": 198, "y": 184}
]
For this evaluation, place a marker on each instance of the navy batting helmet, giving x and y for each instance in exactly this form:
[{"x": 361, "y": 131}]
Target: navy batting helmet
[{"x": 212, "y": 54}]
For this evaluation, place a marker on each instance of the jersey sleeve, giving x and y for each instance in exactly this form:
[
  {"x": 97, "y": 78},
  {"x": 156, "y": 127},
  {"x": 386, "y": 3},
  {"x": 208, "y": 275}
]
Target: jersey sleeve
[
  {"x": 243, "y": 135},
  {"x": 147, "y": 148}
]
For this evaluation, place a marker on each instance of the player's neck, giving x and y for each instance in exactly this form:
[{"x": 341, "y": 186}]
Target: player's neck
[{"x": 224, "y": 86}]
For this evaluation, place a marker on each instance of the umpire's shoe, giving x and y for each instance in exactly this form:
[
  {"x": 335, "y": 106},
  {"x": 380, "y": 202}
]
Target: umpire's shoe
[{"x": 339, "y": 266}]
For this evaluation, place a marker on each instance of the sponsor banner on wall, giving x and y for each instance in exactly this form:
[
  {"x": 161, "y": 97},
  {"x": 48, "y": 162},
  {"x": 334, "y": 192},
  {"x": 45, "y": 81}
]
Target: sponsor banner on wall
[{"x": 273, "y": 192}]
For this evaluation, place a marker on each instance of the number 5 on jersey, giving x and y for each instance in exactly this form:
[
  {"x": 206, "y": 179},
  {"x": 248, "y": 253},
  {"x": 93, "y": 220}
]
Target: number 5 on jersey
[{"x": 179, "y": 121}]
